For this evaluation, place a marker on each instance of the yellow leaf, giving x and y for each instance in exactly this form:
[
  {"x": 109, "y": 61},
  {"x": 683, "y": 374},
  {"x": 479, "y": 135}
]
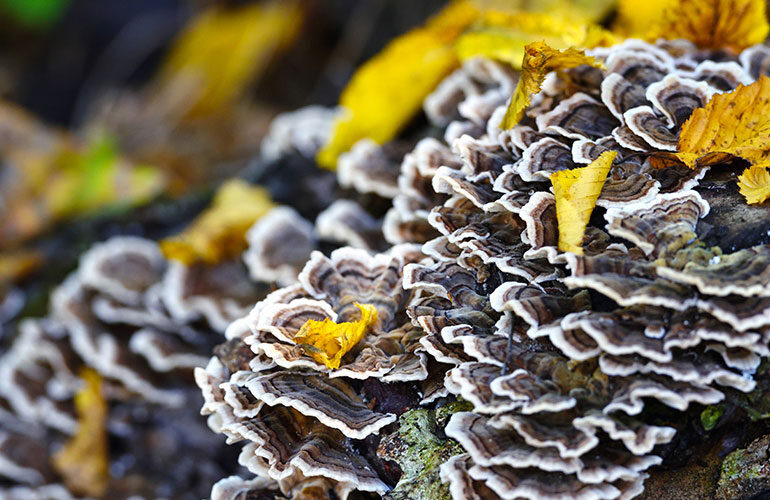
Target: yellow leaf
[
  {"x": 83, "y": 461},
  {"x": 388, "y": 90},
  {"x": 504, "y": 36},
  {"x": 577, "y": 10},
  {"x": 97, "y": 176},
  {"x": 219, "y": 232},
  {"x": 224, "y": 49},
  {"x": 635, "y": 18},
  {"x": 713, "y": 24},
  {"x": 732, "y": 124},
  {"x": 16, "y": 264},
  {"x": 52, "y": 175},
  {"x": 327, "y": 341},
  {"x": 539, "y": 60},
  {"x": 754, "y": 183},
  {"x": 576, "y": 192},
  {"x": 596, "y": 36}
]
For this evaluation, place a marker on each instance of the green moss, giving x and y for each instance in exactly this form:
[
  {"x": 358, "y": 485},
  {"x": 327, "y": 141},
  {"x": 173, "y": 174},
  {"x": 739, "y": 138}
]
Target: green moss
[
  {"x": 745, "y": 472},
  {"x": 734, "y": 467},
  {"x": 419, "y": 451},
  {"x": 711, "y": 415},
  {"x": 445, "y": 412}
]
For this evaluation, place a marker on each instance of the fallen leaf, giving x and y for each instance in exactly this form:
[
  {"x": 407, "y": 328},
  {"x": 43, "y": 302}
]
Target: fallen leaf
[
  {"x": 388, "y": 90},
  {"x": 16, "y": 264},
  {"x": 224, "y": 49},
  {"x": 736, "y": 123},
  {"x": 712, "y": 24},
  {"x": 49, "y": 175},
  {"x": 327, "y": 341},
  {"x": 636, "y": 18},
  {"x": 96, "y": 177},
  {"x": 754, "y": 183},
  {"x": 539, "y": 60},
  {"x": 83, "y": 461},
  {"x": 577, "y": 10},
  {"x": 220, "y": 231},
  {"x": 504, "y": 36},
  {"x": 576, "y": 192}
]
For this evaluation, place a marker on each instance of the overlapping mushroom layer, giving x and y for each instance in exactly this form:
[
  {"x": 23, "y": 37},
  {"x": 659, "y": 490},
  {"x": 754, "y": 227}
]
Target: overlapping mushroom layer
[
  {"x": 559, "y": 381},
  {"x": 298, "y": 417},
  {"x": 561, "y": 355},
  {"x": 141, "y": 323}
]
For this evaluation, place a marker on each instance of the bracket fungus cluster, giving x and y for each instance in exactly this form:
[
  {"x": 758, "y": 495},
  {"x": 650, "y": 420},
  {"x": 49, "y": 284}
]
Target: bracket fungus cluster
[
  {"x": 536, "y": 281},
  {"x": 573, "y": 345},
  {"x": 559, "y": 332},
  {"x": 294, "y": 384},
  {"x": 140, "y": 322}
]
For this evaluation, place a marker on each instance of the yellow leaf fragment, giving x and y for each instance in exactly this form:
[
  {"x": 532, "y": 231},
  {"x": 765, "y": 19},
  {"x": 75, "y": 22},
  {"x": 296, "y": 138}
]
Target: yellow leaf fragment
[
  {"x": 576, "y": 192},
  {"x": 97, "y": 176},
  {"x": 577, "y": 10},
  {"x": 219, "y": 232},
  {"x": 539, "y": 60},
  {"x": 504, "y": 36},
  {"x": 83, "y": 461},
  {"x": 712, "y": 24},
  {"x": 732, "y": 124},
  {"x": 388, "y": 90},
  {"x": 327, "y": 341},
  {"x": 53, "y": 175},
  {"x": 16, "y": 264},
  {"x": 223, "y": 50},
  {"x": 596, "y": 36},
  {"x": 635, "y": 18},
  {"x": 754, "y": 183}
]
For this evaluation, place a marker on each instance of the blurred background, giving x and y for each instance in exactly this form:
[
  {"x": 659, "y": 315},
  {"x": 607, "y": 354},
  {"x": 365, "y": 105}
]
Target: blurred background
[
  {"x": 110, "y": 105},
  {"x": 60, "y": 57}
]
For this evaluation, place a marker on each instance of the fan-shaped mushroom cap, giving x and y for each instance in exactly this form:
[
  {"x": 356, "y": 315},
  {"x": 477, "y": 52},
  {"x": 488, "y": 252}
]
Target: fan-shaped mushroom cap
[
  {"x": 279, "y": 245},
  {"x": 346, "y": 222},
  {"x": 303, "y": 131},
  {"x": 371, "y": 168}
]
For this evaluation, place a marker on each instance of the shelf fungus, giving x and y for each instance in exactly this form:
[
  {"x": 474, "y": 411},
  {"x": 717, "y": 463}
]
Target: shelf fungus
[
  {"x": 296, "y": 385},
  {"x": 561, "y": 353},
  {"x": 281, "y": 242},
  {"x": 545, "y": 265},
  {"x": 138, "y": 324},
  {"x": 559, "y": 356}
]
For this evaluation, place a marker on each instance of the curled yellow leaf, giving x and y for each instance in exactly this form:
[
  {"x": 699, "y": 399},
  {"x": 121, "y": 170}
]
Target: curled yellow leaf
[
  {"x": 504, "y": 36},
  {"x": 388, "y": 90},
  {"x": 712, "y": 24},
  {"x": 732, "y": 124},
  {"x": 223, "y": 50},
  {"x": 576, "y": 192},
  {"x": 220, "y": 231},
  {"x": 327, "y": 341},
  {"x": 754, "y": 183},
  {"x": 83, "y": 461},
  {"x": 539, "y": 60}
]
